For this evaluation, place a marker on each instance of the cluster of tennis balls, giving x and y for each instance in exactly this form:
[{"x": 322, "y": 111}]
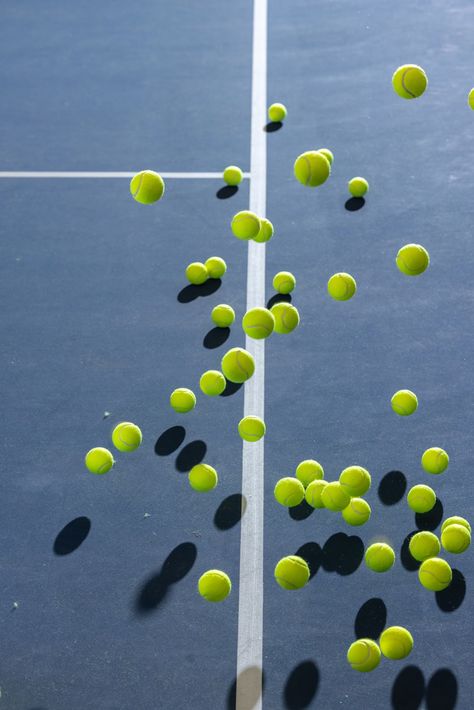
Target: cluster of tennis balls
[
  {"x": 198, "y": 273},
  {"x": 395, "y": 643},
  {"x": 126, "y": 437}
]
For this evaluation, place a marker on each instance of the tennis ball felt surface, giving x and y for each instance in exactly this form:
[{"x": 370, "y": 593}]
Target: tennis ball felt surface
[
  {"x": 182, "y": 400},
  {"x": 245, "y": 225},
  {"x": 99, "y": 460},
  {"x": 396, "y": 643},
  {"x": 212, "y": 383},
  {"x": 251, "y": 428},
  {"x": 435, "y": 460},
  {"x": 404, "y": 403},
  {"x": 214, "y": 585},
  {"x": 435, "y": 574},
  {"x": 409, "y": 81},
  {"x": 286, "y": 317},
  {"x": 216, "y": 267},
  {"x": 363, "y": 655},
  {"x": 233, "y": 175},
  {"x": 258, "y": 323},
  {"x": 423, "y": 545},
  {"x": 284, "y": 282},
  {"x": 292, "y": 572},
  {"x": 470, "y": 99},
  {"x": 455, "y": 538},
  {"x": 147, "y": 187},
  {"x": 277, "y": 112},
  {"x": 289, "y": 492},
  {"x": 357, "y": 512},
  {"x": 421, "y": 498},
  {"x": 455, "y": 520},
  {"x": 313, "y": 493},
  {"x": 355, "y": 480},
  {"x": 334, "y": 497},
  {"x": 266, "y": 231},
  {"x": 358, "y": 186},
  {"x": 312, "y": 168},
  {"x": 413, "y": 259},
  {"x": 379, "y": 557},
  {"x": 126, "y": 436},
  {"x": 196, "y": 273},
  {"x": 203, "y": 478},
  {"x": 327, "y": 154},
  {"x": 238, "y": 365},
  {"x": 308, "y": 471},
  {"x": 223, "y": 315},
  {"x": 342, "y": 286}
]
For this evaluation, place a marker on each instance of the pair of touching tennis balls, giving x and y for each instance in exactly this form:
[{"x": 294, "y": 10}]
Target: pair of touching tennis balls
[
  {"x": 126, "y": 437},
  {"x": 395, "y": 643},
  {"x": 198, "y": 273}
]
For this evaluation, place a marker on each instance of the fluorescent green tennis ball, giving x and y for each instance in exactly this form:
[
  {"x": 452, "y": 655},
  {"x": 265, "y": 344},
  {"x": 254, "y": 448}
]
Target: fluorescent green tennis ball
[
  {"x": 212, "y": 383},
  {"x": 289, "y": 492},
  {"x": 470, "y": 99},
  {"x": 357, "y": 512},
  {"x": 363, "y": 655},
  {"x": 258, "y": 323},
  {"x": 409, "y": 81},
  {"x": 413, "y": 259},
  {"x": 435, "y": 460},
  {"x": 223, "y": 315},
  {"x": 327, "y": 154},
  {"x": 126, "y": 436},
  {"x": 308, "y": 471},
  {"x": 435, "y": 574},
  {"x": 423, "y": 545},
  {"x": 203, "y": 478},
  {"x": 342, "y": 286},
  {"x": 99, "y": 460},
  {"x": 266, "y": 231},
  {"x": 284, "y": 282},
  {"x": 292, "y": 572},
  {"x": 404, "y": 402},
  {"x": 277, "y": 112},
  {"x": 358, "y": 186},
  {"x": 214, "y": 585},
  {"x": 396, "y": 643},
  {"x": 312, "y": 168},
  {"x": 252, "y": 428},
  {"x": 455, "y": 520},
  {"x": 238, "y": 365},
  {"x": 421, "y": 498},
  {"x": 216, "y": 267},
  {"x": 355, "y": 480},
  {"x": 313, "y": 493},
  {"x": 196, "y": 273},
  {"x": 286, "y": 317},
  {"x": 233, "y": 175},
  {"x": 379, "y": 557},
  {"x": 182, "y": 400},
  {"x": 147, "y": 187},
  {"x": 245, "y": 225},
  {"x": 334, "y": 497},
  {"x": 455, "y": 538}
]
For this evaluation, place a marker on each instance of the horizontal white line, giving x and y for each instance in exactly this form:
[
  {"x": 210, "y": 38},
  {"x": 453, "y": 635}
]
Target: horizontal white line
[{"x": 169, "y": 176}]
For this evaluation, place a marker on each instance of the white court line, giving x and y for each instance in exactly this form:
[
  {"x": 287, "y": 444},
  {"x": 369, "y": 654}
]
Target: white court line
[
  {"x": 96, "y": 174},
  {"x": 250, "y": 627}
]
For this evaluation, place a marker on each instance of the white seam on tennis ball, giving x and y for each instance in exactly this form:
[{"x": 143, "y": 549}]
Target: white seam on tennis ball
[
  {"x": 369, "y": 653},
  {"x": 239, "y": 365},
  {"x": 259, "y": 326},
  {"x": 139, "y": 184},
  {"x": 431, "y": 574},
  {"x": 106, "y": 463},
  {"x": 290, "y": 584},
  {"x": 404, "y": 73},
  {"x": 357, "y": 512},
  {"x": 307, "y": 161}
]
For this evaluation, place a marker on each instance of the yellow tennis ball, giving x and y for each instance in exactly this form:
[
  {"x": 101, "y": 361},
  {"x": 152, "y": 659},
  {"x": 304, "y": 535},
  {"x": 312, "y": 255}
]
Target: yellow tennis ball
[
  {"x": 99, "y": 460},
  {"x": 289, "y": 492},
  {"x": 357, "y": 512},
  {"x": 363, "y": 655},
  {"x": 196, "y": 273},
  {"x": 277, "y": 112},
  {"x": 258, "y": 323},
  {"x": 424, "y": 545},
  {"x": 212, "y": 383},
  {"x": 404, "y": 403},
  {"x": 245, "y": 225},
  {"x": 216, "y": 267},
  {"x": 286, "y": 317},
  {"x": 223, "y": 315},
  {"x": 421, "y": 498},
  {"x": 182, "y": 400},
  {"x": 312, "y": 168},
  {"x": 292, "y": 572},
  {"x": 203, "y": 478},
  {"x": 358, "y": 186},
  {"x": 284, "y": 282},
  {"x": 126, "y": 436},
  {"x": 214, "y": 585},
  {"x": 334, "y": 497},
  {"x": 470, "y": 99},
  {"x": 379, "y": 557},
  {"x": 455, "y": 520},
  {"x": 327, "y": 154},
  {"x": 233, "y": 175},
  {"x": 308, "y": 471},
  {"x": 455, "y": 538},
  {"x": 435, "y": 574},
  {"x": 147, "y": 187},
  {"x": 435, "y": 460},
  {"x": 313, "y": 493},
  {"x": 342, "y": 286},
  {"x": 413, "y": 259},
  {"x": 238, "y": 365},
  {"x": 266, "y": 231},
  {"x": 355, "y": 480},
  {"x": 251, "y": 428},
  {"x": 396, "y": 643},
  {"x": 409, "y": 81}
]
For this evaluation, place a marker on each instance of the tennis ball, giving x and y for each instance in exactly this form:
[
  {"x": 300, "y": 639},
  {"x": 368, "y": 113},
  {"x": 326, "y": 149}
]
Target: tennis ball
[
  {"x": 312, "y": 168},
  {"x": 363, "y": 655},
  {"x": 212, "y": 383},
  {"x": 238, "y": 365},
  {"x": 404, "y": 402},
  {"x": 286, "y": 317},
  {"x": 196, "y": 273},
  {"x": 284, "y": 282},
  {"x": 266, "y": 231},
  {"x": 233, "y": 175},
  {"x": 214, "y": 585},
  {"x": 289, "y": 492},
  {"x": 216, "y": 267},
  {"x": 355, "y": 480},
  {"x": 147, "y": 187},
  {"x": 126, "y": 436},
  {"x": 313, "y": 493},
  {"x": 252, "y": 428},
  {"x": 99, "y": 460},
  {"x": 435, "y": 574},
  {"x": 358, "y": 186},
  {"x": 334, "y": 497},
  {"x": 455, "y": 520},
  {"x": 258, "y": 323},
  {"x": 421, "y": 498},
  {"x": 455, "y": 538},
  {"x": 396, "y": 643},
  {"x": 203, "y": 478},
  {"x": 435, "y": 460},
  {"x": 327, "y": 154},
  {"x": 245, "y": 225},
  {"x": 292, "y": 572},
  {"x": 470, "y": 99},
  {"x": 423, "y": 545},
  {"x": 342, "y": 286},
  {"x": 308, "y": 471},
  {"x": 223, "y": 315},
  {"x": 357, "y": 512},
  {"x": 409, "y": 81},
  {"x": 182, "y": 400},
  {"x": 277, "y": 113},
  {"x": 413, "y": 259},
  {"x": 379, "y": 557}
]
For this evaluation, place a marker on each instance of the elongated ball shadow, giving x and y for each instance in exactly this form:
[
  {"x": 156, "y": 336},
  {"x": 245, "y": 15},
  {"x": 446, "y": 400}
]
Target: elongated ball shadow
[
  {"x": 191, "y": 292},
  {"x": 227, "y": 191},
  {"x": 72, "y": 536},
  {"x": 170, "y": 440}
]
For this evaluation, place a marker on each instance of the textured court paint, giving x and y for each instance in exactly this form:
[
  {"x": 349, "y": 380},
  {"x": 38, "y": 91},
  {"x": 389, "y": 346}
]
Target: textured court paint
[{"x": 51, "y": 174}]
